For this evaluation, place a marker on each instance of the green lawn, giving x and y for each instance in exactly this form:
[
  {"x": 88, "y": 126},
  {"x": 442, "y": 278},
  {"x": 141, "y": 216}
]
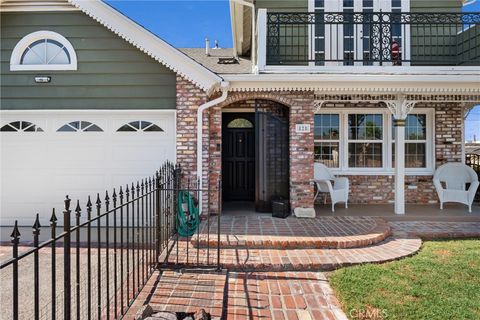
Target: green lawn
[{"x": 441, "y": 282}]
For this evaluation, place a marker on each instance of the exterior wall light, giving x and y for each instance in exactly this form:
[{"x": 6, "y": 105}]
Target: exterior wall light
[{"x": 43, "y": 79}]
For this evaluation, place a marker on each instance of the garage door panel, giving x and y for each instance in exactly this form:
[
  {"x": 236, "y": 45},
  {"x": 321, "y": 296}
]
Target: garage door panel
[{"x": 38, "y": 169}]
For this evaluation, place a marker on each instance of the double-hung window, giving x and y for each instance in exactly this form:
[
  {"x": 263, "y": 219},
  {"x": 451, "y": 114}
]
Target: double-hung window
[
  {"x": 327, "y": 139},
  {"x": 365, "y": 140},
  {"x": 362, "y": 141},
  {"x": 415, "y": 141}
]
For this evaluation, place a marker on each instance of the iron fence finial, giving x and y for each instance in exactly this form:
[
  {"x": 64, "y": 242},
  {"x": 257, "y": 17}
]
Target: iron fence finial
[
  {"x": 36, "y": 226},
  {"x": 15, "y": 233},
  {"x": 53, "y": 218},
  {"x": 89, "y": 203},
  {"x": 98, "y": 202},
  {"x": 107, "y": 198},
  {"x": 78, "y": 209}
]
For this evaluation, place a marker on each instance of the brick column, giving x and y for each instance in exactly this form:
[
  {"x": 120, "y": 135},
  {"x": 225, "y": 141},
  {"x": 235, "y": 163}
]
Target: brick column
[
  {"x": 301, "y": 150},
  {"x": 189, "y": 98}
]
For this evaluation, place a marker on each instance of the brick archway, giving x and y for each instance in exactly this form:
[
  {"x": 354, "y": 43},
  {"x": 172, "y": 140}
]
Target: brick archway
[
  {"x": 271, "y": 96},
  {"x": 301, "y": 148}
]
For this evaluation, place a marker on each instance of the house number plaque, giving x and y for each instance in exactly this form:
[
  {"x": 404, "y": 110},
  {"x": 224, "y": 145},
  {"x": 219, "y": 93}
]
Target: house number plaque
[{"x": 302, "y": 128}]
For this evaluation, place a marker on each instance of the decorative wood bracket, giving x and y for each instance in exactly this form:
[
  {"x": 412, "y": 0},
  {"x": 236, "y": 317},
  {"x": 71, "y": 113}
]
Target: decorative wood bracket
[{"x": 400, "y": 107}]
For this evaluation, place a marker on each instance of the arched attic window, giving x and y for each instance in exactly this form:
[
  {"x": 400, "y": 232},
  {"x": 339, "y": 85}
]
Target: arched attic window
[{"x": 43, "y": 50}]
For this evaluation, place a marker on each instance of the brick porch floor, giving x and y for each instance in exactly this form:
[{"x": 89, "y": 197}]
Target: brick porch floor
[
  {"x": 266, "y": 282},
  {"x": 267, "y": 232}
]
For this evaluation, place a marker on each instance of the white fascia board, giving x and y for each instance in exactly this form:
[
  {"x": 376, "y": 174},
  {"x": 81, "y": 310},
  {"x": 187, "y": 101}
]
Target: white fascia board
[
  {"x": 149, "y": 43},
  {"x": 433, "y": 70},
  {"x": 356, "y": 83}
]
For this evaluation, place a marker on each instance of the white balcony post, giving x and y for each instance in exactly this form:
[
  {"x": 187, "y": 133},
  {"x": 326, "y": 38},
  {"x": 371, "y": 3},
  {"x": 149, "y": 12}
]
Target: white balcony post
[
  {"x": 262, "y": 39},
  {"x": 400, "y": 108}
]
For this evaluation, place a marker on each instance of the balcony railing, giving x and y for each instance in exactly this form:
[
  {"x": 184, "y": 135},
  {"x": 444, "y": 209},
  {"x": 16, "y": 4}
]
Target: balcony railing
[{"x": 370, "y": 39}]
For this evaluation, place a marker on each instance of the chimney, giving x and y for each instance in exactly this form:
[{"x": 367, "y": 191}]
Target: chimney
[
  {"x": 216, "y": 44},
  {"x": 207, "y": 46}
]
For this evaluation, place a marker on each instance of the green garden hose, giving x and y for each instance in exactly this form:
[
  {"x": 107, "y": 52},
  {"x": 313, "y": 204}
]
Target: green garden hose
[{"x": 187, "y": 216}]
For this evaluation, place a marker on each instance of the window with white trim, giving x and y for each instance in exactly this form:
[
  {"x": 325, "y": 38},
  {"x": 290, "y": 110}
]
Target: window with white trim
[
  {"x": 327, "y": 139},
  {"x": 415, "y": 141},
  {"x": 43, "y": 50},
  {"x": 363, "y": 140}
]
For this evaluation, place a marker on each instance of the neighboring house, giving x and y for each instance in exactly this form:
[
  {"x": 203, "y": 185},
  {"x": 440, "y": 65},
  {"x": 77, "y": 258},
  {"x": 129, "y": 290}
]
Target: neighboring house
[{"x": 92, "y": 100}]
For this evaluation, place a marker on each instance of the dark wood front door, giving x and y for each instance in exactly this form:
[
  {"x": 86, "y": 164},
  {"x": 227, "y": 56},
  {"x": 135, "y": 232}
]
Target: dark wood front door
[{"x": 238, "y": 156}]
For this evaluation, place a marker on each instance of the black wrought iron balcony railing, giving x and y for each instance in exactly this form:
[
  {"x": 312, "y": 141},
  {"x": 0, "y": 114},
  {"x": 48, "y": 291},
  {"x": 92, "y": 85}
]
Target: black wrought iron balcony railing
[{"x": 373, "y": 38}]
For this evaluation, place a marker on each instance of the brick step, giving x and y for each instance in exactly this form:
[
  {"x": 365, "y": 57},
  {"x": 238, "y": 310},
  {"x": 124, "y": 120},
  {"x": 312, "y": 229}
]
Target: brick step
[
  {"x": 293, "y": 233},
  {"x": 247, "y": 259}
]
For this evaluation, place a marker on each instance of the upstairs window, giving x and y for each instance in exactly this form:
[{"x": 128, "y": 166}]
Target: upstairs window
[{"x": 43, "y": 50}]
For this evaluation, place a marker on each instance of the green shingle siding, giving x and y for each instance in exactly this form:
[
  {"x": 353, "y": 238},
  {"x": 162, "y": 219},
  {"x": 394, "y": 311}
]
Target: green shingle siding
[{"x": 112, "y": 74}]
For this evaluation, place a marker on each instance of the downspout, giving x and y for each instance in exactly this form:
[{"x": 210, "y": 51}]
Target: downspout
[{"x": 224, "y": 86}]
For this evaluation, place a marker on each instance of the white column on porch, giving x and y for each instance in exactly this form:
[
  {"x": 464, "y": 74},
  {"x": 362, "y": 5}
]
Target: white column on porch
[{"x": 400, "y": 108}]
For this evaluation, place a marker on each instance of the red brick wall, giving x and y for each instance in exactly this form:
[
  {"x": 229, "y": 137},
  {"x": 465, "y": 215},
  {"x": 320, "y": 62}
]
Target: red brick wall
[
  {"x": 301, "y": 109},
  {"x": 418, "y": 189},
  {"x": 364, "y": 189},
  {"x": 189, "y": 98}
]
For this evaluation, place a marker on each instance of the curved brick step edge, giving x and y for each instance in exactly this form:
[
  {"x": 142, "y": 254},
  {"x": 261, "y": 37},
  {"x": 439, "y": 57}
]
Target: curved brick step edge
[
  {"x": 311, "y": 259},
  {"x": 381, "y": 231}
]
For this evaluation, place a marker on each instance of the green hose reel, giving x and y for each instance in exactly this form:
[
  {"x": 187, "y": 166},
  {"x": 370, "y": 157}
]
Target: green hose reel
[{"x": 187, "y": 216}]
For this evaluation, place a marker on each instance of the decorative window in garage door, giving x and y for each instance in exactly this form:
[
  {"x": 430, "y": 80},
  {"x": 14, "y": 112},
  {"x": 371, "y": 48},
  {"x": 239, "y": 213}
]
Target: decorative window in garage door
[
  {"x": 144, "y": 126},
  {"x": 80, "y": 126},
  {"x": 21, "y": 126}
]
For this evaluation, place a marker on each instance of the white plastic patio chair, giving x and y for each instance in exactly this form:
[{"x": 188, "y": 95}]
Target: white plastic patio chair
[
  {"x": 455, "y": 176},
  {"x": 338, "y": 190}
]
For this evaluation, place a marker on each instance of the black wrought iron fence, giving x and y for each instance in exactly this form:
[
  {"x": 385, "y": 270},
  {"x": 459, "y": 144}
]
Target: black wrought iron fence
[
  {"x": 98, "y": 265},
  {"x": 373, "y": 38},
  {"x": 473, "y": 160}
]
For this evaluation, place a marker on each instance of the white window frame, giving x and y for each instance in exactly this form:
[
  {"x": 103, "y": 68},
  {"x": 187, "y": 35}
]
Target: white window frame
[
  {"x": 22, "y": 45},
  {"x": 387, "y": 141}
]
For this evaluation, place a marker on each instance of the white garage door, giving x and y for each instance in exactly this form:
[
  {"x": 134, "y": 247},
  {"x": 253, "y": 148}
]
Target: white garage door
[{"x": 49, "y": 154}]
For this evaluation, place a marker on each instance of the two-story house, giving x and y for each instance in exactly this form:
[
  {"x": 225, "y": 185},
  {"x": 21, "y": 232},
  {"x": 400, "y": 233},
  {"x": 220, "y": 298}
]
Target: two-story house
[{"x": 374, "y": 89}]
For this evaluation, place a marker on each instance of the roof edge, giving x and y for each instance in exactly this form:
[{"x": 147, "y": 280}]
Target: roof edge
[{"x": 149, "y": 43}]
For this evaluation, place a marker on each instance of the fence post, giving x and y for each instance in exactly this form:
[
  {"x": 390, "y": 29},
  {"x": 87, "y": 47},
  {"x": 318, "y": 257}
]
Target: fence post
[
  {"x": 66, "y": 261},
  {"x": 158, "y": 222},
  {"x": 176, "y": 187},
  {"x": 53, "y": 226},
  {"x": 36, "y": 275},
  {"x": 218, "y": 222},
  {"x": 78, "y": 212},
  {"x": 15, "y": 240}
]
